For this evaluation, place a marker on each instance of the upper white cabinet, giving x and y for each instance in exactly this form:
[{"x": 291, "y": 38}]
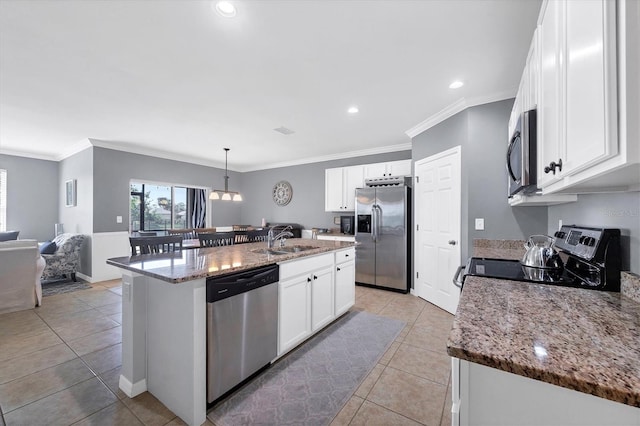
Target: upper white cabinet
[
  {"x": 391, "y": 168},
  {"x": 584, "y": 142},
  {"x": 340, "y": 188}
]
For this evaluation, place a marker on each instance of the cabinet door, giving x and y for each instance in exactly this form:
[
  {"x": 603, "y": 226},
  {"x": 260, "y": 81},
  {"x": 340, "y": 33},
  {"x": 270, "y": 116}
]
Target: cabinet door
[
  {"x": 375, "y": 170},
  {"x": 353, "y": 178},
  {"x": 399, "y": 168},
  {"x": 345, "y": 286},
  {"x": 333, "y": 190},
  {"x": 550, "y": 117},
  {"x": 294, "y": 319},
  {"x": 589, "y": 119},
  {"x": 321, "y": 298}
]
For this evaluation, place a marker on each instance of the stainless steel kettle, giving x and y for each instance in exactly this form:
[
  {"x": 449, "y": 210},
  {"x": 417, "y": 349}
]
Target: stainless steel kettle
[{"x": 541, "y": 254}]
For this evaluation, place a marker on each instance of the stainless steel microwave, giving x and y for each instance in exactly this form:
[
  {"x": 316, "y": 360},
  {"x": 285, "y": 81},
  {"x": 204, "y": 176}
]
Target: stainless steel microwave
[{"x": 522, "y": 166}]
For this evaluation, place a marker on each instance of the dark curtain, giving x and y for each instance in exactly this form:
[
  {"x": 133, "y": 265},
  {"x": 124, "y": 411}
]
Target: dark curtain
[{"x": 196, "y": 207}]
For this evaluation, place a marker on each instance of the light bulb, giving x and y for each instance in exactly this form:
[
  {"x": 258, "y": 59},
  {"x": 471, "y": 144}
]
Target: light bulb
[
  {"x": 214, "y": 196},
  {"x": 226, "y": 196},
  {"x": 237, "y": 197},
  {"x": 225, "y": 9}
]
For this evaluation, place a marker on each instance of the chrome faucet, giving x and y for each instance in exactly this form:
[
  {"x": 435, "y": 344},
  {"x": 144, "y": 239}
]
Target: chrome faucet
[{"x": 271, "y": 239}]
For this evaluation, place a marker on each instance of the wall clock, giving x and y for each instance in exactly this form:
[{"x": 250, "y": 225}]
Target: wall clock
[{"x": 282, "y": 193}]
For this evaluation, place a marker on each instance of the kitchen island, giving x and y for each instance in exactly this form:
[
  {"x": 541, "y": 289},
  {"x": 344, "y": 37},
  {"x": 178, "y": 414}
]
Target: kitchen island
[
  {"x": 537, "y": 354},
  {"x": 164, "y": 315}
]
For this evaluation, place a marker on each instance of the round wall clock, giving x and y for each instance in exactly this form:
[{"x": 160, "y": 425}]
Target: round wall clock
[{"x": 282, "y": 193}]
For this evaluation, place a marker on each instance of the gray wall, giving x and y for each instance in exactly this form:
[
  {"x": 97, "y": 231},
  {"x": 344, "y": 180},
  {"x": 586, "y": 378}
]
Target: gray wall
[
  {"x": 606, "y": 210},
  {"x": 307, "y": 204},
  {"x": 114, "y": 169},
  {"x": 78, "y": 219},
  {"x": 32, "y": 196},
  {"x": 482, "y": 133}
]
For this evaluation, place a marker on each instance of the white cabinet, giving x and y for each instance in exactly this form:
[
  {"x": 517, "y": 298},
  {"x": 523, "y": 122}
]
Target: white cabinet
[
  {"x": 340, "y": 188},
  {"x": 305, "y": 299},
  {"x": 321, "y": 298},
  {"x": 578, "y": 126},
  {"x": 345, "y": 290},
  {"x": 484, "y": 395},
  {"x": 390, "y": 168}
]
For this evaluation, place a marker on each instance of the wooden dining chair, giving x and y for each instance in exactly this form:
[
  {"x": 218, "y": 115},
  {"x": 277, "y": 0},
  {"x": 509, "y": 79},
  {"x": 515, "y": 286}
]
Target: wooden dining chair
[
  {"x": 216, "y": 239},
  {"x": 257, "y": 235},
  {"x": 149, "y": 245},
  {"x": 186, "y": 233},
  {"x": 147, "y": 233},
  {"x": 241, "y": 237}
]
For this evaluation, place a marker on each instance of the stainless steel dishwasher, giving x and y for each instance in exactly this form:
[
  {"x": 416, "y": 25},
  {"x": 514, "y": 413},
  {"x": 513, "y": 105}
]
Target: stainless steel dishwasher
[{"x": 242, "y": 327}]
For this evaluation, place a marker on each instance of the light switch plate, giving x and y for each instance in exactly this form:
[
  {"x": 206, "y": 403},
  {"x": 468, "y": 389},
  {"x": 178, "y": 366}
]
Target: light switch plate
[
  {"x": 118, "y": 219},
  {"x": 479, "y": 224}
]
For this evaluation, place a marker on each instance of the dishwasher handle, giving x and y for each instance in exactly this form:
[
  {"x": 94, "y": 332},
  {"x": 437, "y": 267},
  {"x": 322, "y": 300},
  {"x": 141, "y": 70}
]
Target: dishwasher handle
[{"x": 222, "y": 287}]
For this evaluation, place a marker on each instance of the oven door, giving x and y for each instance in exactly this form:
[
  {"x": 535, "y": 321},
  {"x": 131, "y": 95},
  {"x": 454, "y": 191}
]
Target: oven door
[{"x": 521, "y": 155}]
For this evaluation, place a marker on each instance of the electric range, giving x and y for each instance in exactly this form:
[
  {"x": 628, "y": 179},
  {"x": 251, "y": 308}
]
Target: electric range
[{"x": 591, "y": 260}]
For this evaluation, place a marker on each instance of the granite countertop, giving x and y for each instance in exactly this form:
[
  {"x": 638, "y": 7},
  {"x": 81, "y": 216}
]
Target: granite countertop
[
  {"x": 188, "y": 265},
  {"x": 579, "y": 339}
]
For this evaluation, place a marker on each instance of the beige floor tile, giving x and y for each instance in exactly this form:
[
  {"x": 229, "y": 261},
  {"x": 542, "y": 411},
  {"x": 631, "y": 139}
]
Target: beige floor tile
[
  {"x": 21, "y": 323},
  {"x": 344, "y": 416},
  {"x": 73, "y": 330},
  {"x": 411, "y": 396},
  {"x": 371, "y": 414},
  {"x": 429, "y": 365},
  {"x": 60, "y": 305},
  {"x": 446, "y": 410},
  {"x": 36, "y": 361},
  {"x": 17, "y": 345},
  {"x": 97, "y": 341},
  {"x": 149, "y": 410},
  {"x": 116, "y": 290},
  {"x": 177, "y": 421},
  {"x": 25, "y": 390},
  {"x": 64, "y": 407},
  {"x": 432, "y": 316},
  {"x": 401, "y": 313},
  {"x": 100, "y": 298},
  {"x": 111, "y": 283},
  {"x": 427, "y": 338},
  {"x": 371, "y": 379},
  {"x": 116, "y": 317},
  {"x": 105, "y": 359},
  {"x": 116, "y": 414},
  {"x": 113, "y": 308},
  {"x": 57, "y": 319},
  {"x": 111, "y": 378},
  {"x": 389, "y": 353}
]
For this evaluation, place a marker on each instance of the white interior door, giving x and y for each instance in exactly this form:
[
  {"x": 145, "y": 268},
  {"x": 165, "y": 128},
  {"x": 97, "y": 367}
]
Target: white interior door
[{"x": 437, "y": 218}]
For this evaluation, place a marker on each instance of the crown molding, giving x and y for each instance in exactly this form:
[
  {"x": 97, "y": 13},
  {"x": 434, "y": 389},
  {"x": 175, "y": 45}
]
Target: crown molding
[
  {"x": 331, "y": 157},
  {"x": 26, "y": 154},
  {"x": 74, "y": 149},
  {"x": 456, "y": 107}
]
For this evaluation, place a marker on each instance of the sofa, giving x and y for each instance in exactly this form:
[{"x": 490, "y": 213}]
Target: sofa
[
  {"x": 65, "y": 261},
  {"x": 20, "y": 269}
]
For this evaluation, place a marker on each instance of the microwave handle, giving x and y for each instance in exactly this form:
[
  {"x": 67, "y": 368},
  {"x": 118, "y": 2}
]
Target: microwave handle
[{"x": 516, "y": 135}]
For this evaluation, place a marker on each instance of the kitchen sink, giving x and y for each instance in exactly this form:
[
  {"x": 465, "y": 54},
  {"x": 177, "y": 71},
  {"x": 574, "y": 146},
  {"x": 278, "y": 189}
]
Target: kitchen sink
[{"x": 283, "y": 250}]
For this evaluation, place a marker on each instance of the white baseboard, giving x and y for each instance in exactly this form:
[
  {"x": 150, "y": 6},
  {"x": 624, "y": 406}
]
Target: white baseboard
[{"x": 132, "y": 389}]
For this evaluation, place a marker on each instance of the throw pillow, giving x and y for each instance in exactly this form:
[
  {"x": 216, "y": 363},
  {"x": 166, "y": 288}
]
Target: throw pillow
[
  {"x": 48, "y": 248},
  {"x": 9, "y": 235}
]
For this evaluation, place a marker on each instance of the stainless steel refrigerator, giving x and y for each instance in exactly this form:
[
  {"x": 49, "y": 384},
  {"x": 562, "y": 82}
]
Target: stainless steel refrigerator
[{"x": 383, "y": 234}]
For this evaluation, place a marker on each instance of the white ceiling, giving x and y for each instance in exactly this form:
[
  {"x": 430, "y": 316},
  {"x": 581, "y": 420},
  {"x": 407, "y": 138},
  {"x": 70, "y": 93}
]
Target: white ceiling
[{"x": 175, "y": 79}]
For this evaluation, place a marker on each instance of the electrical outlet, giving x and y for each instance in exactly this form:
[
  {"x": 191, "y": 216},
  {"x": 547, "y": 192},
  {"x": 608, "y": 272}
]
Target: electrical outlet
[
  {"x": 479, "y": 224},
  {"x": 118, "y": 219}
]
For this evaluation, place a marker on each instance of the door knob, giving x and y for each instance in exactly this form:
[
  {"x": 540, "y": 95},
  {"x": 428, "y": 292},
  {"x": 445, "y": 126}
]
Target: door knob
[{"x": 452, "y": 242}]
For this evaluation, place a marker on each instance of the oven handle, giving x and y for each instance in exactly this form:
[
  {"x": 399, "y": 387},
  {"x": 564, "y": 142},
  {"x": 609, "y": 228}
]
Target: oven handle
[{"x": 456, "y": 277}]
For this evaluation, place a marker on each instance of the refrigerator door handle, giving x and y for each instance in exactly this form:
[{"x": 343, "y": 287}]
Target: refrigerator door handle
[{"x": 374, "y": 223}]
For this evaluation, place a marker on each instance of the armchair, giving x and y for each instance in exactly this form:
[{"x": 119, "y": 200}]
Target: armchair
[
  {"x": 21, "y": 266},
  {"x": 66, "y": 259}
]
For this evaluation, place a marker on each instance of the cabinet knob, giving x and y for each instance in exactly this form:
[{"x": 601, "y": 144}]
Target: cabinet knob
[
  {"x": 338, "y": 269},
  {"x": 452, "y": 242},
  {"x": 308, "y": 280},
  {"x": 552, "y": 167},
  {"x": 315, "y": 277},
  {"x": 346, "y": 255}
]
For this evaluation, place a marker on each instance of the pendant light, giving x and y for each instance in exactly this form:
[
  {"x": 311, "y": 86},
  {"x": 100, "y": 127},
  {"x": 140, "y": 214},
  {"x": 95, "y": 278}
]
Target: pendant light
[{"x": 226, "y": 195}]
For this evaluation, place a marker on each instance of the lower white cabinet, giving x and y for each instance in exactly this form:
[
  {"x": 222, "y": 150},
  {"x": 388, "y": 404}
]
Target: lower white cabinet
[
  {"x": 312, "y": 293},
  {"x": 345, "y": 293}
]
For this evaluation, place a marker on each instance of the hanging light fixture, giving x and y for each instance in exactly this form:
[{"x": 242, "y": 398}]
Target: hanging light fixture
[{"x": 225, "y": 195}]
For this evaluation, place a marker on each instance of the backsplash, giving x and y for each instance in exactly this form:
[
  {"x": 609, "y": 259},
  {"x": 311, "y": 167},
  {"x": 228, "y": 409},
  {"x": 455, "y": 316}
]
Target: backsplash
[{"x": 498, "y": 249}]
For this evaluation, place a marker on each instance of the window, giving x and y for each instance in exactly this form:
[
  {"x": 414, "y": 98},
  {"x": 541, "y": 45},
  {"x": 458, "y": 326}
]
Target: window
[
  {"x": 161, "y": 207},
  {"x": 3, "y": 200}
]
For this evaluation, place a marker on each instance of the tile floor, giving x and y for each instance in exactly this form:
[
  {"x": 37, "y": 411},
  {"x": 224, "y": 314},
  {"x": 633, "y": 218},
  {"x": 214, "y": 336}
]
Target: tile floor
[{"x": 60, "y": 365}]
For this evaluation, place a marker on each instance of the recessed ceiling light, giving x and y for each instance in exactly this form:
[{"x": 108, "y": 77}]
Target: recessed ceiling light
[
  {"x": 225, "y": 9},
  {"x": 456, "y": 84},
  {"x": 353, "y": 110}
]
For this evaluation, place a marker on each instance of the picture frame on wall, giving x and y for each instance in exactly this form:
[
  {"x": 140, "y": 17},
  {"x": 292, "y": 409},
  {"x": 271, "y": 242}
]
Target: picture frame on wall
[{"x": 70, "y": 193}]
